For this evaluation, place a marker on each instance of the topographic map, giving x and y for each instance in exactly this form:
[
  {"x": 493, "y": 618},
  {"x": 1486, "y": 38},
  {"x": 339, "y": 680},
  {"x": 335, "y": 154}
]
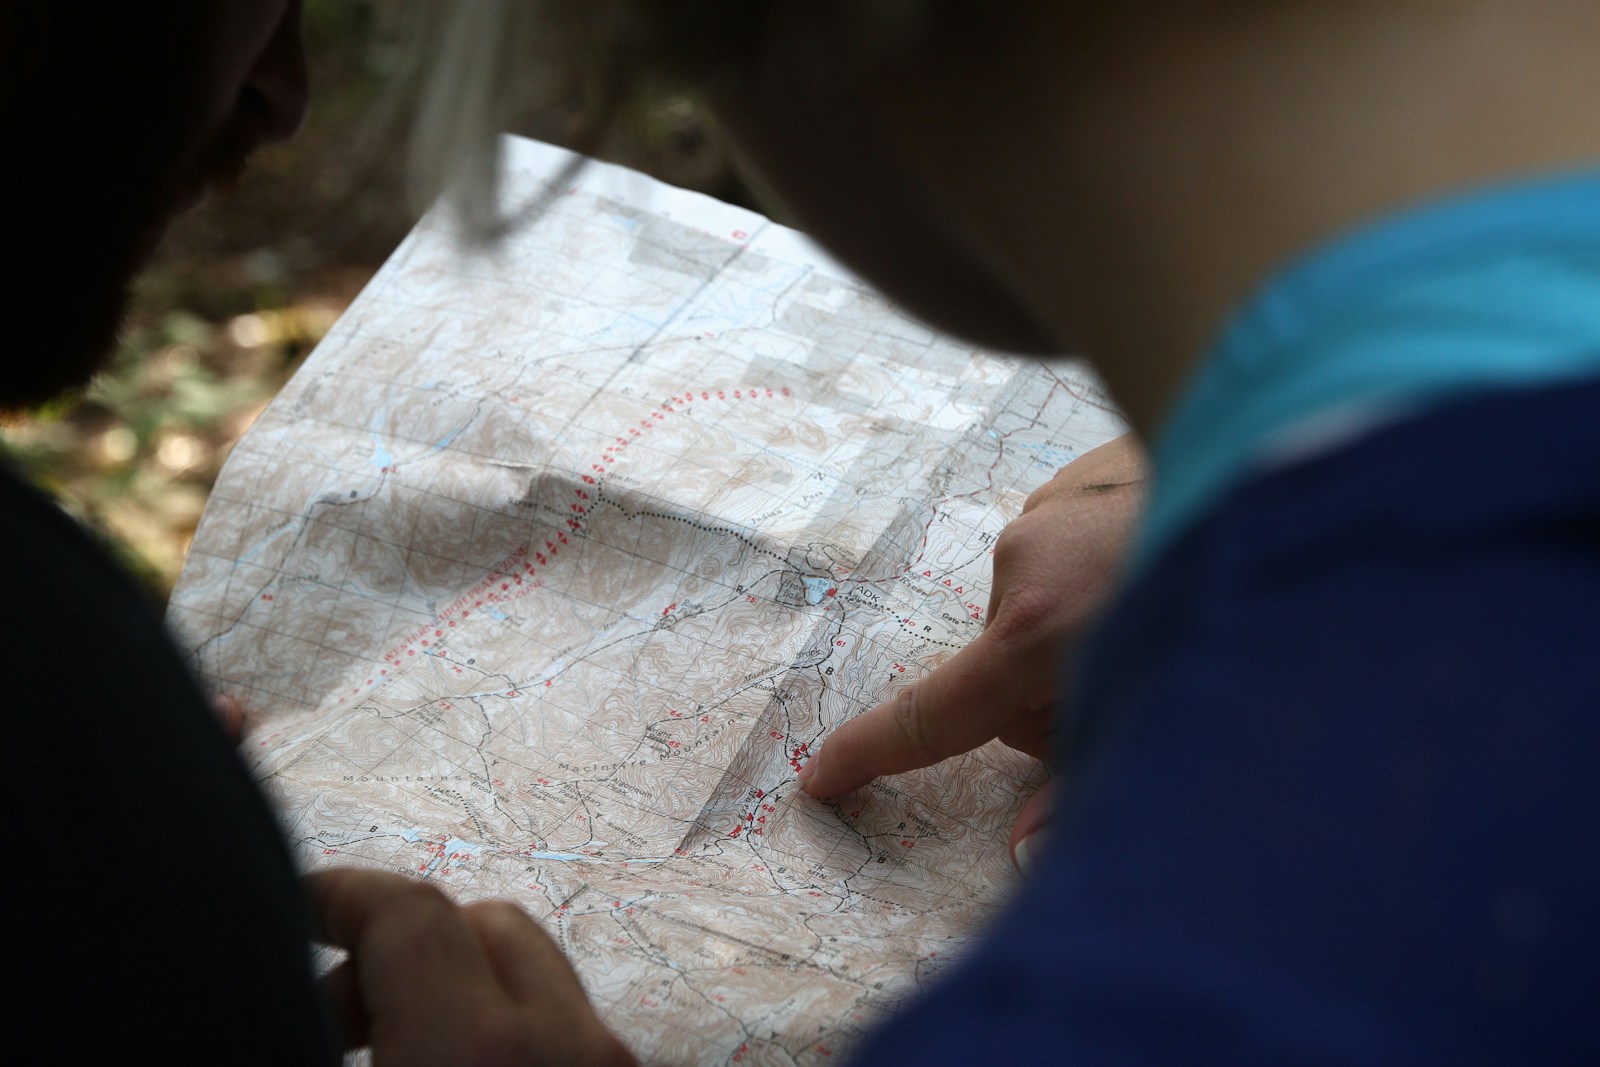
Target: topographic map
[{"x": 551, "y": 566}]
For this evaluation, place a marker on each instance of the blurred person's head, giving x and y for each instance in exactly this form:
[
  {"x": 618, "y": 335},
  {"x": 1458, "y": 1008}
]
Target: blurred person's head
[
  {"x": 1054, "y": 175},
  {"x": 813, "y": 98},
  {"x": 115, "y": 116}
]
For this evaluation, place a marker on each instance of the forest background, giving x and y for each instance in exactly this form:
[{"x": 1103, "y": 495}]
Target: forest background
[{"x": 245, "y": 285}]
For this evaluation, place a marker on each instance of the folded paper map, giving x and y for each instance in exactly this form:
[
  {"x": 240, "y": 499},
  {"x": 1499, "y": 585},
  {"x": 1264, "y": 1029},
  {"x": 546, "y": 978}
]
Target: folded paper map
[{"x": 554, "y": 562}]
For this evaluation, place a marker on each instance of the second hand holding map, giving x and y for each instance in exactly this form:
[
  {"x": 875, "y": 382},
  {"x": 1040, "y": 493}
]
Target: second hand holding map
[{"x": 553, "y": 564}]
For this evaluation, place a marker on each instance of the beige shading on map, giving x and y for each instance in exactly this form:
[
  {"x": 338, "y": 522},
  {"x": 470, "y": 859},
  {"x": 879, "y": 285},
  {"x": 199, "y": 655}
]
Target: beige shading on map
[{"x": 553, "y": 564}]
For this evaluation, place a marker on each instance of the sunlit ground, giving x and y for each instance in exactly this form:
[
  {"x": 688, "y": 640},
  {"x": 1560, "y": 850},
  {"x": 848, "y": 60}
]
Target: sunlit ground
[{"x": 136, "y": 454}]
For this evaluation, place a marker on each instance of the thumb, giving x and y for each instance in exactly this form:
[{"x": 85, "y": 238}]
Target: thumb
[{"x": 968, "y": 700}]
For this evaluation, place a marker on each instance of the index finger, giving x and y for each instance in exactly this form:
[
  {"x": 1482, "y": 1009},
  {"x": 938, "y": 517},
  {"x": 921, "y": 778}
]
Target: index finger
[{"x": 969, "y": 699}]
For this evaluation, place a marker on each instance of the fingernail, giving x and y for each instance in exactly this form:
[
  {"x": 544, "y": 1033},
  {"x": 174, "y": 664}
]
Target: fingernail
[
  {"x": 807, "y": 769},
  {"x": 1025, "y": 854}
]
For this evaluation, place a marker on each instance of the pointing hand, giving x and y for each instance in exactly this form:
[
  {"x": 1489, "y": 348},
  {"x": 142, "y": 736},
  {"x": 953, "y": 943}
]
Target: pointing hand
[{"x": 1054, "y": 565}]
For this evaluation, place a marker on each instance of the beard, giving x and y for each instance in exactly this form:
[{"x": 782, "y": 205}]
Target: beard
[
  {"x": 102, "y": 149},
  {"x": 65, "y": 307}
]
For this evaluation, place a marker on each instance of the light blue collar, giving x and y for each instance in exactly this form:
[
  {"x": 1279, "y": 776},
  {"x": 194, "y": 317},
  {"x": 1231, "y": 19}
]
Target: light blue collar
[{"x": 1492, "y": 289}]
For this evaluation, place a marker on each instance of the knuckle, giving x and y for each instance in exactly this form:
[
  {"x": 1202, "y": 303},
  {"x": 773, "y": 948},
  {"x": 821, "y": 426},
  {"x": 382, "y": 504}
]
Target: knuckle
[
  {"x": 1020, "y": 535},
  {"x": 911, "y": 728},
  {"x": 1039, "y": 496},
  {"x": 1028, "y": 616}
]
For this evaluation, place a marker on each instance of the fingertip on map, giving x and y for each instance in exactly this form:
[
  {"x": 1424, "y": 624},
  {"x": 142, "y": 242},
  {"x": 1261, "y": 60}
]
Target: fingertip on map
[
  {"x": 825, "y": 786},
  {"x": 812, "y": 786}
]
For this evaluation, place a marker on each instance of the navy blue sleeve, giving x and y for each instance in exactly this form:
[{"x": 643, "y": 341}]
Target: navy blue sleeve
[{"x": 1337, "y": 778}]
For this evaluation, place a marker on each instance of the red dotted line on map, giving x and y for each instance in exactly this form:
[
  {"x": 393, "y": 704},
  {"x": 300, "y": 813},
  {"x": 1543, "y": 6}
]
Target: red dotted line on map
[{"x": 515, "y": 575}]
